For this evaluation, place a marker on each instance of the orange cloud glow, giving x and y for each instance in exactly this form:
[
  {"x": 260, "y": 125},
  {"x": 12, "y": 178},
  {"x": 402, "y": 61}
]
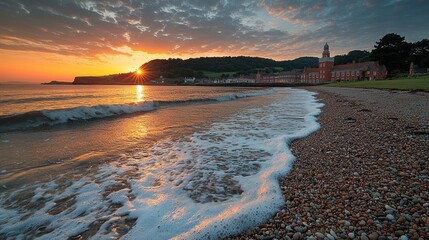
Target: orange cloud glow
[{"x": 30, "y": 66}]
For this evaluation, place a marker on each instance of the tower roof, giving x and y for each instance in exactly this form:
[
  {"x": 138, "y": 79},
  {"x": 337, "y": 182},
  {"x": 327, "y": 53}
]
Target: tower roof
[
  {"x": 326, "y": 53},
  {"x": 326, "y": 47}
]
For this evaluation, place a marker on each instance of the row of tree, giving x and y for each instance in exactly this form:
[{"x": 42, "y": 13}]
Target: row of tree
[
  {"x": 393, "y": 51},
  {"x": 195, "y": 67},
  {"x": 355, "y": 55}
]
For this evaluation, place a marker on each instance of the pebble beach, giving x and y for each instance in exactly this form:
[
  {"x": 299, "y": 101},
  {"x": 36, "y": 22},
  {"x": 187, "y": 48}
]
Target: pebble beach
[{"x": 363, "y": 175}]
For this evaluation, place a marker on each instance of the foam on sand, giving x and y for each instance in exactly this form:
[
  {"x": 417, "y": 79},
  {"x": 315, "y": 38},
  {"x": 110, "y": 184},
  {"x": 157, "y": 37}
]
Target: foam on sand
[{"x": 212, "y": 184}]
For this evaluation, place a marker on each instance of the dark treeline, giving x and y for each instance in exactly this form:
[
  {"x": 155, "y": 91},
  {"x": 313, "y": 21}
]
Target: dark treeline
[
  {"x": 393, "y": 51},
  {"x": 195, "y": 67},
  {"x": 355, "y": 55}
]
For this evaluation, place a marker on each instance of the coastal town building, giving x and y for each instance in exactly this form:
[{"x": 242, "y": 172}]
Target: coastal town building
[
  {"x": 327, "y": 72},
  {"x": 189, "y": 80},
  {"x": 237, "y": 80}
]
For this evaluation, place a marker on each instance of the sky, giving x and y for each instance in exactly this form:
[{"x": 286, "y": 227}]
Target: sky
[{"x": 45, "y": 40}]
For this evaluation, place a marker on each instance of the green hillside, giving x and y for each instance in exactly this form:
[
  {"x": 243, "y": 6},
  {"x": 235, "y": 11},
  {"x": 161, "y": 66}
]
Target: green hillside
[{"x": 216, "y": 66}]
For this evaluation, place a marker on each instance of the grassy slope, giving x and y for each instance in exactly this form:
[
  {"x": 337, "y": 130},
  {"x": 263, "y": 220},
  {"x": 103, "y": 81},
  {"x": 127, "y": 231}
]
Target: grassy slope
[{"x": 417, "y": 83}]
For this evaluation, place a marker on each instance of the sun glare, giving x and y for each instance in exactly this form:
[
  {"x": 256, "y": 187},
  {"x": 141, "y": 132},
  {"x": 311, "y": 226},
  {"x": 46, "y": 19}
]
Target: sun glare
[
  {"x": 139, "y": 72},
  {"x": 139, "y": 93}
]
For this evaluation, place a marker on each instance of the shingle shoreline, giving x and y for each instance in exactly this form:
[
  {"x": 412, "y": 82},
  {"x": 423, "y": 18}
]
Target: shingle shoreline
[{"x": 363, "y": 175}]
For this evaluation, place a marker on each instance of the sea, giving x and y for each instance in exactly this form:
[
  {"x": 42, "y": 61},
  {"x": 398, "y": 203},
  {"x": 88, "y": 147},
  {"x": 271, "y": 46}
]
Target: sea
[{"x": 145, "y": 162}]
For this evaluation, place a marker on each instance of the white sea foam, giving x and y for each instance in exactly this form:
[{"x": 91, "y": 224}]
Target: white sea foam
[
  {"x": 244, "y": 95},
  {"x": 212, "y": 184},
  {"x": 100, "y": 111}
]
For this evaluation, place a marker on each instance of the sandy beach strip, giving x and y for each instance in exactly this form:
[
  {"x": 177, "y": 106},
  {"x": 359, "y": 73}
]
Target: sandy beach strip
[{"x": 363, "y": 175}]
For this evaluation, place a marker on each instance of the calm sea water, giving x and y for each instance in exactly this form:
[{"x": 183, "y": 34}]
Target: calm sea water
[{"x": 144, "y": 162}]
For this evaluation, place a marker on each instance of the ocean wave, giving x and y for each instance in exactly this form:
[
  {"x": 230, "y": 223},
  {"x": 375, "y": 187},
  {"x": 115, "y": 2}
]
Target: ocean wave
[
  {"x": 84, "y": 113},
  {"x": 225, "y": 98}
]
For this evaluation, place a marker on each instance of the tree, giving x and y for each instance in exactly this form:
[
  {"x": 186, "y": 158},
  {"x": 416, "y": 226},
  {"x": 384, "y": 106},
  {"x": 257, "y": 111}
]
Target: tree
[
  {"x": 420, "y": 53},
  {"x": 393, "y": 51},
  {"x": 355, "y": 55}
]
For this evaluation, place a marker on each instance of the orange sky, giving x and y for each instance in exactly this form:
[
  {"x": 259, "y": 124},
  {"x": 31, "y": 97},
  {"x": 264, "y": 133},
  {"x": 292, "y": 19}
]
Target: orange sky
[
  {"x": 31, "y": 66},
  {"x": 38, "y": 67}
]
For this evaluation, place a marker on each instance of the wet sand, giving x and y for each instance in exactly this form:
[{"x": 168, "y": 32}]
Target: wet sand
[{"x": 363, "y": 175}]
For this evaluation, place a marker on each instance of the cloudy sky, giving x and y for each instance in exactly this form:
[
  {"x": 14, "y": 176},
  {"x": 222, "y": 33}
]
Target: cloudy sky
[{"x": 44, "y": 40}]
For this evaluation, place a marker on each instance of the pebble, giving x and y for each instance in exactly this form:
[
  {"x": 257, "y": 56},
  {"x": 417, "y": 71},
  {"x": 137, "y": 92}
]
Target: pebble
[
  {"x": 333, "y": 233},
  {"x": 320, "y": 235},
  {"x": 297, "y": 236},
  {"x": 390, "y": 217},
  {"x": 389, "y": 208},
  {"x": 329, "y": 236},
  {"x": 351, "y": 235},
  {"x": 408, "y": 217},
  {"x": 373, "y": 236}
]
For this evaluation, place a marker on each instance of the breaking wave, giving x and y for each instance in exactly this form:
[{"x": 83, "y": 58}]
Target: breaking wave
[{"x": 84, "y": 113}]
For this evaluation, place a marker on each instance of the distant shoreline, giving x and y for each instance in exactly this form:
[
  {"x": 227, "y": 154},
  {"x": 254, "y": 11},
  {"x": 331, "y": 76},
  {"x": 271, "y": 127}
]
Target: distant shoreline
[
  {"x": 57, "y": 83},
  {"x": 217, "y": 85}
]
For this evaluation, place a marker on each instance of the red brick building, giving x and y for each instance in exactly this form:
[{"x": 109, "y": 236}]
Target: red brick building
[{"x": 327, "y": 72}]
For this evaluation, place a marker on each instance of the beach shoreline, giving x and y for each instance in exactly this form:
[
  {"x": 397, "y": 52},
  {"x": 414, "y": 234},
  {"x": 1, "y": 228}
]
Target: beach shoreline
[{"x": 363, "y": 175}]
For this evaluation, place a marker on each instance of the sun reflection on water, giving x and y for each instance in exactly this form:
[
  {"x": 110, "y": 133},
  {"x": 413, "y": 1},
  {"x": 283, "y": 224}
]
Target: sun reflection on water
[{"x": 139, "y": 93}]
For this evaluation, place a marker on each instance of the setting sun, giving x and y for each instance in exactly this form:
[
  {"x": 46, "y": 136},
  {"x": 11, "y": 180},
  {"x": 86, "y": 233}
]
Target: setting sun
[{"x": 139, "y": 72}]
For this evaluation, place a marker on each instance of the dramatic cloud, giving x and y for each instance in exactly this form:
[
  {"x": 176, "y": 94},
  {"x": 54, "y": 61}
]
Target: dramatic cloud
[
  {"x": 351, "y": 24},
  {"x": 104, "y": 27},
  {"x": 270, "y": 28}
]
